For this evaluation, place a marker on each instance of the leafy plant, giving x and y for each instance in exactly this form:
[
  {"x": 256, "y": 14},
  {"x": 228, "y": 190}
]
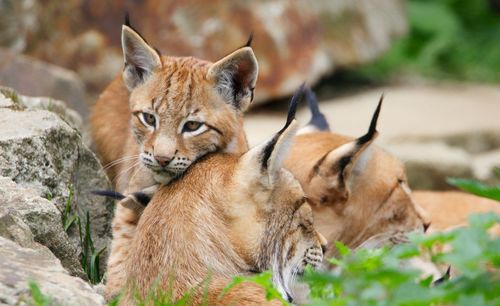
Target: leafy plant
[
  {"x": 385, "y": 277},
  {"x": 476, "y": 187},
  {"x": 454, "y": 39}
]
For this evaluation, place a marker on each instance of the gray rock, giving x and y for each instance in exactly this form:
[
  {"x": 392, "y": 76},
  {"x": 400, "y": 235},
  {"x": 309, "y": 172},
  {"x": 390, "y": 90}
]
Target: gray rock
[
  {"x": 19, "y": 266},
  {"x": 41, "y": 151},
  {"x": 26, "y": 218},
  {"x": 429, "y": 164},
  {"x": 13, "y": 228},
  {"x": 36, "y": 78},
  {"x": 9, "y": 98}
]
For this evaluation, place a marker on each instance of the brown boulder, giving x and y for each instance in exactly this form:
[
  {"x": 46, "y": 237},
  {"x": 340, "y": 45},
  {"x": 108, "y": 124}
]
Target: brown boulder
[{"x": 295, "y": 41}]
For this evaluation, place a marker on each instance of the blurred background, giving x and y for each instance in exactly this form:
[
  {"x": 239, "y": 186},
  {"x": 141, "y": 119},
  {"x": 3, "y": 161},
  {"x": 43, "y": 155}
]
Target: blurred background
[{"x": 436, "y": 61}]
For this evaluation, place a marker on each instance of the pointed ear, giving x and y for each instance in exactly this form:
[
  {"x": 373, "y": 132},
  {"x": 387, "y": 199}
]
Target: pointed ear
[
  {"x": 140, "y": 58},
  {"x": 234, "y": 77},
  {"x": 268, "y": 157},
  {"x": 338, "y": 165},
  {"x": 318, "y": 122}
]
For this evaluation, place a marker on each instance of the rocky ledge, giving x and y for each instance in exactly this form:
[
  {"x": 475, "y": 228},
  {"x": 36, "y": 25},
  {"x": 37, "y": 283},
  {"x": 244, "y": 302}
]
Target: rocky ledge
[{"x": 46, "y": 175}]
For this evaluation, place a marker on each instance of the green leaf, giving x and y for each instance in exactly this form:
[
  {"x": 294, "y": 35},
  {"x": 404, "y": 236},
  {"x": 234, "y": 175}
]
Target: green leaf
[
  {"x": 476, "y": 187},
  {"x": 235, "y": 281},
  {"x": 94, "y": 266},
  {"x": 343, "y": 249},
  {"x": 39, "y": 299},
  {"x": 263, "y": 279},
  {"x": 484, "y": 221},
  {"x": 69, "y": 222}
]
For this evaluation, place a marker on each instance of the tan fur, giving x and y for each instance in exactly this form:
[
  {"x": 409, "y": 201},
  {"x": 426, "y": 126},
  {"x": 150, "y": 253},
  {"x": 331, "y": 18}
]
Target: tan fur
[
  {"x": 451, "y": 209},
  {"x": 175, "y": 90},
  {"x": 229, "y": 215},
  {"x": 379, "y": 205}
]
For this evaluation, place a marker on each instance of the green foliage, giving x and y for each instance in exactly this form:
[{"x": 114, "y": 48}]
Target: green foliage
[
  {"x": 384, "y": 277},
  {"x": 90, "y": 256},
  {"x": 67, "y": 218},
  {"x": 455, "y": 39},
  {"x": 476, "y": 187},
  {"x": 165, "y": 297},
  {"x": 264, "y": 280},
  {"x": 38, "y": 298}
]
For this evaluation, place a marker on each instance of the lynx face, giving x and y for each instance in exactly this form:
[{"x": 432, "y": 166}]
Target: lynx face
[
  {"x": 178, "y": 124},
  {"x": 184, "y": 108}
]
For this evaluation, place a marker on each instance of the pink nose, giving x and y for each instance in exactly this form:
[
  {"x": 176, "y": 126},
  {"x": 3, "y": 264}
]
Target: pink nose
[{"x": 163, "y": 160}]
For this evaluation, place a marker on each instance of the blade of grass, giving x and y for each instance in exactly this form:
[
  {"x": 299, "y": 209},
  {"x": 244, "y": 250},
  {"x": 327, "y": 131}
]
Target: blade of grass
[
  {"x": 95, "y": 276},
  {"x": 476, "y": 187}
]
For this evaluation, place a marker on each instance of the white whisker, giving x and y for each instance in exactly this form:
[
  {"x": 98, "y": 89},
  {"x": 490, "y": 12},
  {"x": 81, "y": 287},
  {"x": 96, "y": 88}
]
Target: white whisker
[
  {"x": 122, "y": 173},
  {"x": 134, "y": 174},
  {"x": 119, "y": 161}
]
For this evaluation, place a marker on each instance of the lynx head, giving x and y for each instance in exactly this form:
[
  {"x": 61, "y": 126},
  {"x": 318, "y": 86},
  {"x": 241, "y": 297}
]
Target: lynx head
[
  {"x": 277, "y": 231},
  {"x": 358, "y": 191},
  {"x": 182, "y": 107}
]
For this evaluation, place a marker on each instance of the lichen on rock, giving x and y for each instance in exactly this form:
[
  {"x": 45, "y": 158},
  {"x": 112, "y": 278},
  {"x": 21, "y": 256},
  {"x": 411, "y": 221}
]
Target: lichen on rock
[{"x": 41, "y": 151}]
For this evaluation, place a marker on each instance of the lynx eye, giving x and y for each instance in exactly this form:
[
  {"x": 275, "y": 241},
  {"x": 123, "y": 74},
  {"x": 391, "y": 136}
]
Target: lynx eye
[
  {"x": 191, "y": 126},
  {"x": 149, "y": 119}
]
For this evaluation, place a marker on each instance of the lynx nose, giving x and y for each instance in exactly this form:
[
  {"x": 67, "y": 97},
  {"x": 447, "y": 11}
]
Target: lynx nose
[{"x": 163, "y": 160}]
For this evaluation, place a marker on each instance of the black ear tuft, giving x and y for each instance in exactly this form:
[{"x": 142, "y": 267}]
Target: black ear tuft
[
  {"x": 127, "y": 20},
  {"x": 128, "y": 24},
  {"x": 108, "y": 193},
  {"x": 292, "y": 110},
  {"x": 142, "y": 198},
  {"x": 318, "y": 120},
  {"x": 292, "y": 107},
  {"x": 373, "y": 124},
  {"x": 249, "y": 41},
  {"x": 312, "y": 101}
]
